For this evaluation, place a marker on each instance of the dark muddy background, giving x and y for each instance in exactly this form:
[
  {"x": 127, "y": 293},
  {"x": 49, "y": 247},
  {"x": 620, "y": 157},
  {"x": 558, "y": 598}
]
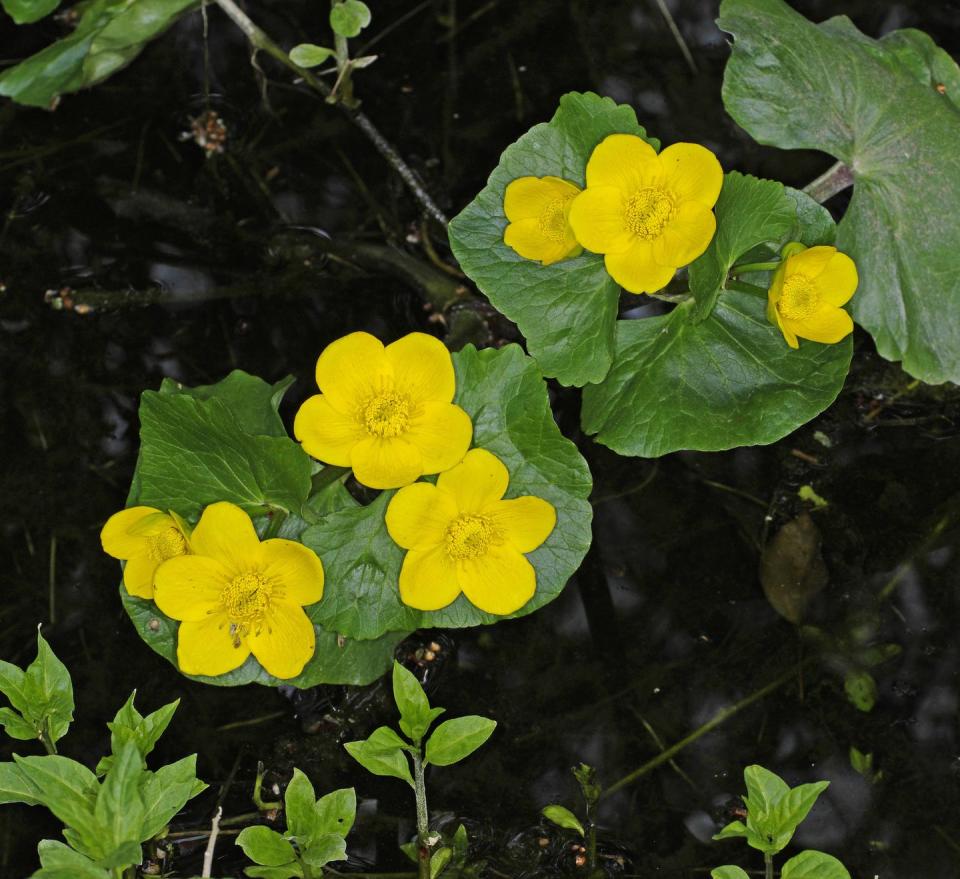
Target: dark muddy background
[{"x": 665, "y": 624}]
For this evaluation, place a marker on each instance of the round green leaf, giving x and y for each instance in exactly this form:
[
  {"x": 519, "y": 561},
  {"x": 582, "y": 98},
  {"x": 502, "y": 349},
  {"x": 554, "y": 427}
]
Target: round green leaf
[
  {"x": 875, "y": 105},
  {"x": 309, "y": 55},
  {"x": 349, "y": 17},
  {"x": 729, "y": 872},
  {"x": 566, "y": 311},
  {"x": 728, "y": 381},
  {"x": 814, "y": 865},
  {"x": 506, "y": 397},
  {"x": 265, "y": 846}
]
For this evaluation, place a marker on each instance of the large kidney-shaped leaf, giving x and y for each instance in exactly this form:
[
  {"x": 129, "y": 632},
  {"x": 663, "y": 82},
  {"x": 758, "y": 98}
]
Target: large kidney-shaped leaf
[
  {"x": 730, "y": 380},
  {"x": 504, "y": 394},
  {"x": 109, "y": 35},
  {"x": 877, "y": 106},
  {"x": 566, "y": 310}
]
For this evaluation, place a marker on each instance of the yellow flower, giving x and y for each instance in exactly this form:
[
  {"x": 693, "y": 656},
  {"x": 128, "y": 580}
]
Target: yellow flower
[
  {"x": 807, "y": 291},
  {"x": 237, "y": 596},
  {"x": 649, "y": 214},
  {"x": 538, "y": 209},
  {"x": 385, "y": 412},
  {"x": 143, "y": 537},
  {"x": 462, "y": 537}
]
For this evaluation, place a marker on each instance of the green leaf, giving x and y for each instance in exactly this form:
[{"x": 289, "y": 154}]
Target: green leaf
[
  {"x": 439, "y": 861},
  {"x": 335, "y": 660},
  {"x": 813, "y": 865},
  {"x": 874, "y": 105},
  {"x": 59, "y": 861},
  {"x": 733, "y": 830},
  {"x": 109, "y": 35},
  {"x": 415, "y": 712},
  {"x": 749, "y": 212},
  {"x": 299, "y": 801},
  {"x": 349, "y": 17},
  {"x": 813, "y": 224},
  {"x": 309, "y": 55},
  {"x": 566, "y": 311},
  {"x": 28, "y": 11},
  {"x": 195, "y": 452},
  {"x": 793, "y": 807},
  {"x": 382, "y": 753},
  {"x": 506, "y": 397},
  {"x": 16, "y": 787},
  {"x": 454, "y": 740},
  {"x": 119, "y": 809},
  {"x": 130, "y": 726},
  {"x": 12, "y": 682},
  {"x": 729, "y": 872},
  {"x": 284, "y": 872},
  {"x": 764, "y": 789},
  {"x": 265, "y": 846},
  {"x": 336, "y": 811},
  {"x": 165, "y": 792},
  {"x": 861, "y": 690},
  {"x": 126, "y": 854},
  {"x": 728, "y": 381},
  {"x": 49, "y": 692},
  {"x": 15, "y": 726},
  {"x": 563, "y": 817},
  {"x": 324, "y": 849}
]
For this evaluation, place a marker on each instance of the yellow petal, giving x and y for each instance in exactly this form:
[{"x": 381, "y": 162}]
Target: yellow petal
[
  {"x": 500, "y": 581},
  {"x": 637, "y": 270},
  {"x": 810, "y": 262},
  {"x": 442, "y": 432},
  {"x": 138, "y": 575},
  {"x": 116, "y": 538},
  {"x": 428, "y": 579},
  {"x": 692, "y": 173},
  {"x": 206, "y": 647},
  {"x": 294, "y": 568},
  {"x": 624, "y": 161},
  {"x": 526, "y": 198},
  {"x": 418, "y": 516},
  {"x": 226, "y": 533},
  {"x": 527, "y": 239},
  {"x": 284, "y": 641},
  {"x": 476, "y": 482},
  {"x": 386, "y": 463},
  {"x": 773, "y": 313},
  {"x": 596, "y": 217},
  {"x": 828, "y": 325},
  {"x": 422, "y": 368},
  {"x": 838, "y": 280},
  {"x": 525, "y": 521},
  {"x": 188, "y": 587},
  {"x": 326, "y": 434},
  {"x": 351, "y": 370},
  {"x": 150, "y": 526},
  {"x": 686, "y": 235}
]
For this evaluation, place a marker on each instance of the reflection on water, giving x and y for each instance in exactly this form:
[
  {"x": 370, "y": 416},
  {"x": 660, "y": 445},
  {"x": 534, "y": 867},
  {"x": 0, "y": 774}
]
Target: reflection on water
[{"x": 664, "y": 626}]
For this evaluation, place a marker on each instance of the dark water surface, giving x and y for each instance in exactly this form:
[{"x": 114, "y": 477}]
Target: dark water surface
[{"x": 665, "y": 624}]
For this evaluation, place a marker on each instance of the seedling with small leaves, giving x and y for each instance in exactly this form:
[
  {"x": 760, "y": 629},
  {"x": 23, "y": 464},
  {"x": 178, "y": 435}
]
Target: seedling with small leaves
[
  {"x": 774, "y": 811},
  {"x": 385, "y": 752},
  {"x": 563, "y": 817},
  {"x": 316, "y": 833}
]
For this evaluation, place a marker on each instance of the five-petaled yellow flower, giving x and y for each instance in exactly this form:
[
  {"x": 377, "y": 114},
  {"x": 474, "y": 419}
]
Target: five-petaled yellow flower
[
  {"x": 462, "y": 537},
  {"x": 538, "y": 209},
  {"x": 648, "y": 214},
  {"x": 807, "y": 291},
  {"x": 385, "y": 412},
  {"x": 236, "y": 596},
  {"x": 143, "y": 537}
]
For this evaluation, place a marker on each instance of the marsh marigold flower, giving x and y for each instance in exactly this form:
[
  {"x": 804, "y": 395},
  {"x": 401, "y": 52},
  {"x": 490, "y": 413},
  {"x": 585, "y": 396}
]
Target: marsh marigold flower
[
  {"x": 143, "y": 537},
  {"x": 463, "y": 537},
  {"x": 236, "y": 596},
  {"x": 807, "y": 291},
  {"x": 538, "y": 209},
  {"x": 385, "y": 412},
  {"x": 648, "y": 214}
]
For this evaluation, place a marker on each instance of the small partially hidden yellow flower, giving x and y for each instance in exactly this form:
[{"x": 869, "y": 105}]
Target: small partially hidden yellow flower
[
  {"x": 649, "y": 214},
  {"x": 237, "y": 596},
  {"x": 385, "y": 412},
  {"x": 143, "y": 537},
  {"x": 462, "y": 537},
  {"x": 807, "y": 291},
  {"x": 538, "y": 209}
]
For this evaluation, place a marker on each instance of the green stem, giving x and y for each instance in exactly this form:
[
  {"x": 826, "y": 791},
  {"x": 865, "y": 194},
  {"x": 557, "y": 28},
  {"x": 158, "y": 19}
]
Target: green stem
[
  {"x": 767, "y": 865},
  {"x": 744, "y": 287},
  {"x": 46, "y": 737},
  {"x": 342, "y": 91},
  {"x": 592, "y": 850},
  {"x": 261, "y": 804},
  {"x": 423, "y": 819},
  {"x": 277, "y": 518},
  {"x": 835, "y": 179},
  {"x": 743, "y": 268}
]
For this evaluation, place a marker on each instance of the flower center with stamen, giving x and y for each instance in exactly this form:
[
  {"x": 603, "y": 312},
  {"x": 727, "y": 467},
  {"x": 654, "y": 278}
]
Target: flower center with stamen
[
  {"x": 246, "y": 598},
  {"x": 646, "y": 212},
  {"x": 469, "y": 536},
  {"x": 167, "y": 544},
  {"x": 553, "y": 219},
  {"x": 799, "y": 299},
  {"x": 386, "y": 415}
]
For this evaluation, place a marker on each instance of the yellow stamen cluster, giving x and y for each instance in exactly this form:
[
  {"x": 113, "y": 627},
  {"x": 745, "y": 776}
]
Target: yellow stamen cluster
[
  {"x": 247, "y": 597},
  {"x": 469, "y": 536},
  {"x": 647, "y": 211},
  {"x": 799, "y": 298},
  {"x": 168, "y": 543},
  {"x": 386, "y": 414},
  {"x": 553, "y": 219}
]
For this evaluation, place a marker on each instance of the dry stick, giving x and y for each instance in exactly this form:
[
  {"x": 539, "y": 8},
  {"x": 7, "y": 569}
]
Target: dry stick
[
  {"x": 260, "y": 40},
  {"x": 212, "y": 843},
  {"x": 835, "y": 179},
  {"x": 720, "y": 717},
  {"x": 677, "y": 36}
]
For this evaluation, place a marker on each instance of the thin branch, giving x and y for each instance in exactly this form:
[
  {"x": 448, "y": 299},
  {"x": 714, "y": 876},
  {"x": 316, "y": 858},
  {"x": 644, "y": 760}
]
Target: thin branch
[{"x": 212, "y": 843}]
